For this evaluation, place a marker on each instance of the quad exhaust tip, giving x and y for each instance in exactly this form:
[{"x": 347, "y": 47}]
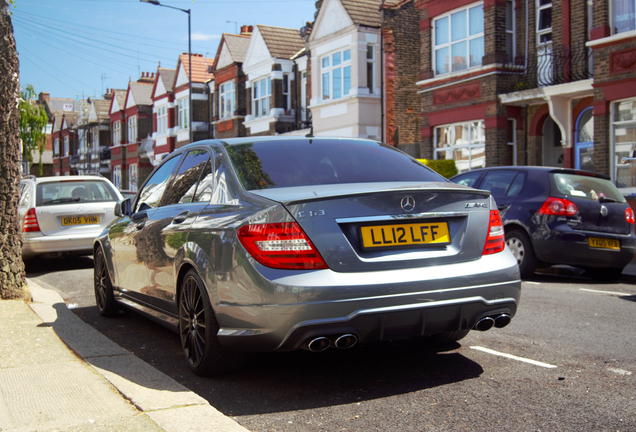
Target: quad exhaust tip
[{"x": 321, "y": 343}]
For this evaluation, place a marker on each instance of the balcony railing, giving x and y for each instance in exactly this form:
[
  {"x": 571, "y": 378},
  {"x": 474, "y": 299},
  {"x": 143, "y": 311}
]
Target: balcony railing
[{"x": 552, "y": 65}]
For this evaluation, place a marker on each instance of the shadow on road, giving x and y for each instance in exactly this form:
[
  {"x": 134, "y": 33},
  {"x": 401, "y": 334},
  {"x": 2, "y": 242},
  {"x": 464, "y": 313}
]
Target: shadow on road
[
  {"x": 278, "y": 382},
  {"x": 39, "y": 266}
]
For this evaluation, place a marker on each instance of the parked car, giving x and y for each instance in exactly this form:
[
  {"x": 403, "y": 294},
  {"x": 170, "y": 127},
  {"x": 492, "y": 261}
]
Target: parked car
[
  {"x": 276, "y": 244},
  {"x": 560, "y": 216},
  {"x": 63, "y": 215}
]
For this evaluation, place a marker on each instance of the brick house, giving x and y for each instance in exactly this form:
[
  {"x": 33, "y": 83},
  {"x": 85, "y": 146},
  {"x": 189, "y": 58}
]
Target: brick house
[
  {"x": 201, "y": 116},
  {"x": 138, "y": 117},
  {"x": 56, "y": 108},
  {"x": 345, "y": 53},
  {"x": 118, "y": 135},
  {"x": 93, "y": 138},
  {"x": 163, "y": 109},
  {"x": 68, "y": 142},
  {"x": 230, "y": 93},
  {"x": 508, "y": 82},
  {"x": 271, "y": 66}
]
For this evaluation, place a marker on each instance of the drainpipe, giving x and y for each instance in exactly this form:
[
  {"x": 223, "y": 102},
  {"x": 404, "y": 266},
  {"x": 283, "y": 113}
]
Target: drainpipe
[
  {"x": 525, "y": 66},
  {"x": 382, "y": 137}
]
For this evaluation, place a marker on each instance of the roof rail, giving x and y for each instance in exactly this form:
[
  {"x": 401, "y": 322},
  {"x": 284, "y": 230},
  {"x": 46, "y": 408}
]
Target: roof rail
[{"x": 29, "y": 176}]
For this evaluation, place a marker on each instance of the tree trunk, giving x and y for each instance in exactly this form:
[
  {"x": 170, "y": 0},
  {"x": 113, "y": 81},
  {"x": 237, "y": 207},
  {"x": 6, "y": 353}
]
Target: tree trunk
[{"x": 11, "y": 264}]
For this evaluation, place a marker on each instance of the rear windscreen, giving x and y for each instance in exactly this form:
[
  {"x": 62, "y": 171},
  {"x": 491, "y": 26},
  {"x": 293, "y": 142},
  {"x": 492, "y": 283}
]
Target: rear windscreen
[
  {"x": 275, "y": 164},
  {"x": 582, "y": 186},
  {"x": 74, "y": 191}
]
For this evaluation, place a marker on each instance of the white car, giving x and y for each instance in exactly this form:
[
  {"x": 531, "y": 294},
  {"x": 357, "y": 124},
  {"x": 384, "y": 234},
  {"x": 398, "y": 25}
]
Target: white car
[{"x": 63, "y": 215}]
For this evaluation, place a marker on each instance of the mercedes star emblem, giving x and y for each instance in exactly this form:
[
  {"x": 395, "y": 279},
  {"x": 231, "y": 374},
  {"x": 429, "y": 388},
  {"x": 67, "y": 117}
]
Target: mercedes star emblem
[
  {"x": 604, "y": 211},
  {"x": 408, "y": 203}
]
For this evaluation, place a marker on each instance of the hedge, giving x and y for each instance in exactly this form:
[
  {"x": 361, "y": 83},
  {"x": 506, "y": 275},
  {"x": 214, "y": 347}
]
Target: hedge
[{"x": 445, "y": 167}]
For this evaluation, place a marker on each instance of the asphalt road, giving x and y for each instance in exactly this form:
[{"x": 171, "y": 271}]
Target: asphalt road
[{"x": 567, "y": 362}]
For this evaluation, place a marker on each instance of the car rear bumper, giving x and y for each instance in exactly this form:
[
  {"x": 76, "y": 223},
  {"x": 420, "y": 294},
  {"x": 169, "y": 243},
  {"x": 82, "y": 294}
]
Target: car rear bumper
[
  {"x": 571, "y": 247},
  {"x": 384, "y": 310},
  {"x": 44, "y": 245}
]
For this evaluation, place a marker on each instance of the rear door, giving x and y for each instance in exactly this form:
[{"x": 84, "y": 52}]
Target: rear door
[{"x": 505, "y": 186}]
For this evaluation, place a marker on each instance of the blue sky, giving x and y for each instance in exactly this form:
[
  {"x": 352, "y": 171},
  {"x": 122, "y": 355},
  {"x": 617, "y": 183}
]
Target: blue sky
[{"x": 71, "y": 48}]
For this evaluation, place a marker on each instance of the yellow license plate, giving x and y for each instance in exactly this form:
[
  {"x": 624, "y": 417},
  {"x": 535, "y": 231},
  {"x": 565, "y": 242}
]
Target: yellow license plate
[
  {"x": 80, "y": 220},
  {"x": 603, "y": 243},
  {"x": 405, "y": 234}
]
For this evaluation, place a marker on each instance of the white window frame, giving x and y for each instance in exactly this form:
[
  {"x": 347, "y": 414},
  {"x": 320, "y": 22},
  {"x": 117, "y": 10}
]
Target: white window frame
[
  {"x": 56, "y": 147},
  {"x": 468, "y": 145},
  {"x": 615, "y": 156},
  {"x": 162, "y": 120},
  {"x": 116, "y": 133},
  {"x": 613, "y": 17},
  {"x": 227, "y": 101},
  {"x": 183, "y": 109},
  {"x": 67, "y": 146},
  {"x": 132, "y": 177},
  {"x": 132, "y": 129},
  {"x": 117, "y": 176},
  {"x": 513, "y": 143},
  {"x": 261, "y": 102},
  {"x": 371, "y": 68},
  {"x": 511, "y": 28},
  {"x": 286, "y": 88},
  {"x": 327, "y": 69},
  {"x": 449, "y": 44},
  {"x": 545, "y": 31}
]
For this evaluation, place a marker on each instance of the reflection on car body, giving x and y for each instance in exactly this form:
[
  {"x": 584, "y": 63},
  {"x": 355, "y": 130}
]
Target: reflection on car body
[{"x": 258, "y": 244}]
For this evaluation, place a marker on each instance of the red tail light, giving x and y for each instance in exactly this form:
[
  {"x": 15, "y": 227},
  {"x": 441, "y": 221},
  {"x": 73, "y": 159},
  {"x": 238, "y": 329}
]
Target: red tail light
[
  {"x": 30, "y": 223},
  {"x": 280, "y": 245},
  {"x": 558, "y": 207},
  {"x": 629, "y": 215},
  {"x": 496, "y": 240}
]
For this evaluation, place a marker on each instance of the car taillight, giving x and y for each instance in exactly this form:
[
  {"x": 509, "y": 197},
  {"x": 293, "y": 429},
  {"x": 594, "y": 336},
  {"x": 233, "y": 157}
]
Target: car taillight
[
  {"x": 558, "y": 207},
  {"x": 280, "y": 245},
  {"x": 30, "y": 223},
  {"x": 629, "y": 215},
  {"x": 496, "y": 240}
]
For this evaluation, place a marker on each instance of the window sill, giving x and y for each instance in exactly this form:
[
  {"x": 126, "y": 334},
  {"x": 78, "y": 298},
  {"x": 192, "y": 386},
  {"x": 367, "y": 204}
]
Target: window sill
[
  {"x": 459, "y": 74},
  {"x": 619, "y": 37}
]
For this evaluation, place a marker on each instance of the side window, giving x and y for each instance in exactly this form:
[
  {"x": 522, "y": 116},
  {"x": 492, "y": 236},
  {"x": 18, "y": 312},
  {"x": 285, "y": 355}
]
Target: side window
[
  {"x": 153, "y": 190},
  {"x": 206, "y": 185},
  {"x": 498, "y": 182},
  {"x": 517, "y": 185},
  {"x": 183, "y": 187},
  {"x": 467, "y": 179},
  {"x": 25, "y": 194}
]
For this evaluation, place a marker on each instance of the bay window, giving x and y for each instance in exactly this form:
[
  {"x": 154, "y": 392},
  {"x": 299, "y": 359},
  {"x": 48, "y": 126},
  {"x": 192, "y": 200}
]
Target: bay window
[
  {"x": 336, "y": 75},
  {"x": 116, "y": 132},
  {"x": 162, "y": 120},
  {"x": 261, "y": 97},
  {"x": 624, "y": 140},
  {"x": 226, "y": 99},
  {"x": 465, "y": 143},
  {"x": 624, "y": 15},
  {"x": 458, "y": 40},
  {"x": 183, "y": 109},
  {"x": 132, "y": 129}
]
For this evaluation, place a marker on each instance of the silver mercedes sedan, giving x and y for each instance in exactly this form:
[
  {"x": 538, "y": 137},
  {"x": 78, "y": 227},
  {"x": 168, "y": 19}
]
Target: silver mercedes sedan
[{"x": 276, "y": 244}]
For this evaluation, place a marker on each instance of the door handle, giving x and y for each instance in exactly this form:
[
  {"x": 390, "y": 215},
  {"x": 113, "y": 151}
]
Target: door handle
[
  {"x": 180, "y": 217},
  {"x": 503, "y": 207}
]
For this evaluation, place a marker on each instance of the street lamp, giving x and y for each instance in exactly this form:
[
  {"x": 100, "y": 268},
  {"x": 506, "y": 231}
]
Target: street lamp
[{"x": 156, "y": 3}]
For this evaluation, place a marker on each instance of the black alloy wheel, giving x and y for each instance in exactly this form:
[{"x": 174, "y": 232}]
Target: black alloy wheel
[
  {"x": 198, "y": 329},
  {"x": 104, "y": 296}
]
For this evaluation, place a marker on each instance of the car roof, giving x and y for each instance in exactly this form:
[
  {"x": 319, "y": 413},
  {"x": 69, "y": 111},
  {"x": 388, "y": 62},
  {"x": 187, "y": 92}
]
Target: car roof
[
  {"x": 270, "y": 138},
  {"x": 53, "y": 179},
  {"x": 537, "y": 169}
]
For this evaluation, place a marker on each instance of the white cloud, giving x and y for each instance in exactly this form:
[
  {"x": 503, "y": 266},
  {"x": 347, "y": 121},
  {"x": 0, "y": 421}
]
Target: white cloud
[{"x": 198, "y": 36}]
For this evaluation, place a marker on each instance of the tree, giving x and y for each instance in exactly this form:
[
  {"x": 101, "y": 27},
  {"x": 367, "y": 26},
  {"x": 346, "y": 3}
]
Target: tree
[
  {"x": 11, "y": 264},
  {"x": 33, "y": 120}
]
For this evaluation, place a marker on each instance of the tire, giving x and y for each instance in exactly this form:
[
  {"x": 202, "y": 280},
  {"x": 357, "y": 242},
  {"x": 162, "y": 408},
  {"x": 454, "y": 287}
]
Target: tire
[
  {"x": 198, "y": 329},
  {"x": 604, "y": 274},
  {"x": 104, "y": 296},
  {"x": 521, "y": 247}
]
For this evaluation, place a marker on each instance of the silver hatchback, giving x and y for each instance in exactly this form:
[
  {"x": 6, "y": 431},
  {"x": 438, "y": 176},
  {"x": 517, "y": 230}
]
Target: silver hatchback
[
  {"x": 276, "y": 244},
  {"x": 63, "y": 215}
]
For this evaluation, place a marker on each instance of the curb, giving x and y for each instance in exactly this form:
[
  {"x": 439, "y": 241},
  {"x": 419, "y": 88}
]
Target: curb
[{"x": 155, "y": 394}]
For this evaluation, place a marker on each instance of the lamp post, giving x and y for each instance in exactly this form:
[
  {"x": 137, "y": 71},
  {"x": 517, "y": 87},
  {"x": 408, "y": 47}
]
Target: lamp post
[{"x": 156, "y": 3}]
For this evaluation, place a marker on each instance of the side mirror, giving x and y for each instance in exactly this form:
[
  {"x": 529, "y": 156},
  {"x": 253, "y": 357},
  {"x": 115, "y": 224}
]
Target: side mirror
[{"x": 123, "y": 208}]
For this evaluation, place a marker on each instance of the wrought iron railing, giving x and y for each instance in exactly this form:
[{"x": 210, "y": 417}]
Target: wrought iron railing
[{"x": 552, "y": 65}]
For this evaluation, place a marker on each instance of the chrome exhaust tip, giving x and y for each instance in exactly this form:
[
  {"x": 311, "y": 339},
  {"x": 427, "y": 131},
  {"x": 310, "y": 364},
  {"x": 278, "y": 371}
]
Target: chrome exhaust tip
[
  {"x": 318, "y": 344},
  {"x": 502, "y": 320},
  {"x": 346, "y": 341},
  {"x": 484, "y": 324}
]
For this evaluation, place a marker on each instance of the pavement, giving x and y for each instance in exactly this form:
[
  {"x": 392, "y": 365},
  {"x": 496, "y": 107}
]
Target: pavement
[{"x": 58, "y": 373}]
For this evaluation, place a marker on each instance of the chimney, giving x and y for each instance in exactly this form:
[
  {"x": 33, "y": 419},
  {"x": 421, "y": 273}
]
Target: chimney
[
  {"x": 246, "y": 30},
  {"x": 44, "y": 97},
  {"x": 146, "y": 78}
]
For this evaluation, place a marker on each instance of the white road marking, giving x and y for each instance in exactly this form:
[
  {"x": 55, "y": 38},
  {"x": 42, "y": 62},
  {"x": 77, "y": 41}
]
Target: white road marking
[
  {"x": 620, "y": 371},
  {"x": 521, "y": 359},
  {"x": 607, "y": 292}
]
